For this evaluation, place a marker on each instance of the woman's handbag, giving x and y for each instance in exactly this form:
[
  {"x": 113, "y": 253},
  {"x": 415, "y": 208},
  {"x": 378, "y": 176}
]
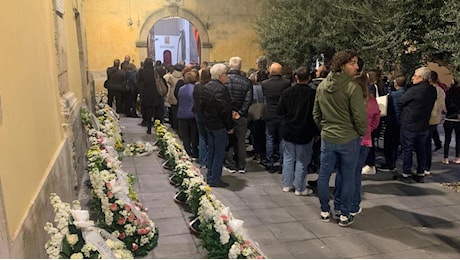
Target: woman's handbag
[
  {"x": 160, "y": 83},
  {"x": 382, "y": 101}
]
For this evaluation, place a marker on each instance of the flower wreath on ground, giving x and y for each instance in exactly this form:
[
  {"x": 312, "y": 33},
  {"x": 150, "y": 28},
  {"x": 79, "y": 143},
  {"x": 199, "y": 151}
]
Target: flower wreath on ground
[
  {"x": 115, "y": 201},
  {"x": 76, "y": 237},
  {"x": 222, "y": 235},
  {"x": 218, "y": 224},
  {"x": 138, "y": 149}
]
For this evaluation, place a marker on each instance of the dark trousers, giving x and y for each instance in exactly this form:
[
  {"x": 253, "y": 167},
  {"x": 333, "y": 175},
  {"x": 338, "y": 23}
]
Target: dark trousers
[
  {"x": 173, "y": 117},
  {"x": 257, "y": 136},
  {"x": 152, "y": 111},
  {"x": 435, "y": 136},
  {"x": 449, "y": 127},
  {"x": 411, "y": 141},
  {"x": 237, "y": 145},
  {"x": 390, "y": 144},
  {"x": 428, "y": 149},
  {"x": 117, "y": 95},
  {"x": 370, "y": 160},
  {"x": 189, "y": 135}
]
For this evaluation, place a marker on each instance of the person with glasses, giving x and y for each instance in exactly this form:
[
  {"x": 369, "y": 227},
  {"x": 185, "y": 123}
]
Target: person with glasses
[
  {"x": 217, "y": 111},
  {"x": 416, "y": 106}
]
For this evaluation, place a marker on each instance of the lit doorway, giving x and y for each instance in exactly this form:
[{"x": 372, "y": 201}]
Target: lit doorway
[{"x": 174, "y": 40}]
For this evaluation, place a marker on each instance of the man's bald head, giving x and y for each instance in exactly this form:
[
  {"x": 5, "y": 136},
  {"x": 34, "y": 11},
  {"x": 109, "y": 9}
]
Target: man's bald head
[{"x": 276, "y": 69}]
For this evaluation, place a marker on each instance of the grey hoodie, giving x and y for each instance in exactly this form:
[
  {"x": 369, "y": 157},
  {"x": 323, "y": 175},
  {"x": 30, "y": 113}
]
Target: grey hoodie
[{"x": 339, "y": 109}]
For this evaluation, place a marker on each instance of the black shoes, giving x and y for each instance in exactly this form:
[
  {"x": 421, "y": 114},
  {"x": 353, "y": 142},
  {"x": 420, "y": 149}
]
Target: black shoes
[
  {"x": 149, "y": 130},
  {"x": 270, "y": 169},
  {"x": 220, "y": 184},
  {"x": 386, "y": 168}
]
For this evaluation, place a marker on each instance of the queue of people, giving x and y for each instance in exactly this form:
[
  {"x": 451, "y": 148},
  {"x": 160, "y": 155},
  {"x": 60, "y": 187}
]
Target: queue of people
[{"x": 322, "y": 122}]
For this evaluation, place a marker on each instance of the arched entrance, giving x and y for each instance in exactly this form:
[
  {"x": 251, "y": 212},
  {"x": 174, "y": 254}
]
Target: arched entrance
[
  {"x": 174, "y": 40},
  {"x": 204, "y": 45}
]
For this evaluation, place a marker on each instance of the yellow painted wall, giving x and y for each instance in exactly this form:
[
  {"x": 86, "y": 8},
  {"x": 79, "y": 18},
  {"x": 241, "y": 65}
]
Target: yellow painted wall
[
  {"x": 31, "y": 132},
  {"x": 109, "y": 37}
]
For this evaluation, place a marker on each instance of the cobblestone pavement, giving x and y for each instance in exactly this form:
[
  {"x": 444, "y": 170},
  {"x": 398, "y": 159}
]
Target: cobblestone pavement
[{"x": 399, "y": 220}]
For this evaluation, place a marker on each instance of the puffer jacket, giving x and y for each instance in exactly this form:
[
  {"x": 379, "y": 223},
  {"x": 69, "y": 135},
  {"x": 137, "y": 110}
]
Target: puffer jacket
[
  {"x": 339, "y": 109},
  {"x": 217, "y": 106},
  {"x": 240, "y": 90}
]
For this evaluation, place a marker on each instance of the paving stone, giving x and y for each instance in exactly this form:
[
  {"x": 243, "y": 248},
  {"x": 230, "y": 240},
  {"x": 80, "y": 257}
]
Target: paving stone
[
  {"x": 262, "y": 235},
  {"x": 174, "y": 246},
  {"x": 290, "y": 231},
  {"x": 249, "y": 217},
  {"x": 312, "y": 249},
  {"x": 351, "y": 245},
  {"x": 303, "y": 212},
  {"x": 172, "y": 226},
  {"x": 259, "y": 201},
  {"x": 273, "y": 215}
]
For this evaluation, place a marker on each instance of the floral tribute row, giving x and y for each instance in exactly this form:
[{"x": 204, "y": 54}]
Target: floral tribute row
[
  {"x": 222, "y": 235},
  {"x": 122, "y": 228}
]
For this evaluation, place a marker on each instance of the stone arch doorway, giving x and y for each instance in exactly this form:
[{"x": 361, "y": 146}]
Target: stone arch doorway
[{"x": 173, "y": 11}]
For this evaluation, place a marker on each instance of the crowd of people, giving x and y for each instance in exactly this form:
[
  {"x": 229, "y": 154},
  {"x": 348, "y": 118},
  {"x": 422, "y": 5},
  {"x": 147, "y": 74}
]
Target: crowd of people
[{"x": 324, "y": 121}]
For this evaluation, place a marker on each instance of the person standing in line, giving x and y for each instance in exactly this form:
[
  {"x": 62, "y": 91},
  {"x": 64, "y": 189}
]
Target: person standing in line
[
  {"x": 391, "y": 139},
  {"x": 126, "y": 61},
  {"x": 198, "y": 96},
  {"x": 172, "y": 79},
  {"x": 131, "y": 95},
  {"x": 274, "y": 124},
  {"x": 375, "y": 91},
  {"x": 340, "y": 113},
  {"x": 452, "y": 121},
  {"x": 416, "y": 106},
  {"x": 296, "y": 105},
  {"x": 435, "y": 119},
  {"x": 116, "y": 85},
  {"x": 240, "y": 90},
  {"x": 185, "y": 116},
  {"x": 217, "y": 110},
  {"x": 152, "y": 102},
  {"x": 256, "y": 122},
  {"x": 320, "y": 74},
  {"x": 110, "y": 71},
  {"x": 373, "y": 120}
]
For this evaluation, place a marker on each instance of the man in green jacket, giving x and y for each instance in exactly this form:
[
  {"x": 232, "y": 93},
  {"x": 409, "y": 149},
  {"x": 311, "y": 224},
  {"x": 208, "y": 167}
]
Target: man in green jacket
[{"x": 340, "y": 113}]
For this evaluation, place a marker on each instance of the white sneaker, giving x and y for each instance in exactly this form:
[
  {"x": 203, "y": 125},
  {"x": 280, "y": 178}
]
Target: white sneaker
[
  {"x": 288, "y": 189},
  {"x": 445, "y": 160},
  {"x": 368, "y": 170},
  {"x": 306, "y": 192},
  {"x": 356, "y": 213},
  {"x": 427, "y": 172}
]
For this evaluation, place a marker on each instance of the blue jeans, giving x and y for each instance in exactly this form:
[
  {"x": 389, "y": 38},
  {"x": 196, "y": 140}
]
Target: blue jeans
[
  {"x": 363, "y": 153},
  {"x": 346, "y": 155},
  {"x": 202, "y": 139},
  {"x": 217, "y": 141},
  {"x": 273, "y": 133},
  {"x": 410, "y": 141},
  {"x": 295, "y": 165}
]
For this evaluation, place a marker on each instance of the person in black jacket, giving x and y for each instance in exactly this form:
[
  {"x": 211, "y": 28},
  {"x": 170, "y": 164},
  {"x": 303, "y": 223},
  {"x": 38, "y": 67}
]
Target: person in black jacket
[
  {"x": 217, "y": 110},
  {"x": 240, "y": 90},
  {"x": 452, "y": 122},
  {"x": 296, "y": 105},
  {"x": 152, "y": 102},
  {"x": 416, "y": 105},
  {"x": 272, "y": 89}
]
